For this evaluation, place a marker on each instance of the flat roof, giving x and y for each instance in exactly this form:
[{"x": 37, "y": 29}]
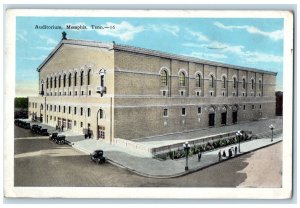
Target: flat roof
[{"x": 133, "y": 49}]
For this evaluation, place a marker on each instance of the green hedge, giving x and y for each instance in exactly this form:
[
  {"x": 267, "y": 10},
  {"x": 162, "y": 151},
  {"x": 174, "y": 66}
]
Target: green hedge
[{"x": 195, "y": 149}]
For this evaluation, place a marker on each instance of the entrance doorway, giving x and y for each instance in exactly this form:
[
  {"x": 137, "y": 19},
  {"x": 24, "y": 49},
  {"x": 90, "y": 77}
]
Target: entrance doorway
[
  {"x": 223, "y": 118},
  {"x": 101, "y": 132},
  {"x": 211, "y": 121},
  {"x": 234, "y": 117}
]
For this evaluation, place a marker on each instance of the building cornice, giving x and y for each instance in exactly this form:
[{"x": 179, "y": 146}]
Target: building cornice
[{"x": 138, "y": 50}]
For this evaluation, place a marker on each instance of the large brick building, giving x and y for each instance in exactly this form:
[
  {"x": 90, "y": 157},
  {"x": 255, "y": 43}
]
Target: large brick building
[{"x": 120, "y": 91}]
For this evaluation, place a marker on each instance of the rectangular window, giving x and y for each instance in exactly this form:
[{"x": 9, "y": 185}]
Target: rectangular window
[
  {"x": 165, "y": 114},
  {"x": 59, "y": 108},
  {"x": 75, "y": 110},
  {"x": 89, "y": 112},
  {"x": 47, "y": 107},
  {"x": 70, "y": 93},
  {"x": 64, "y": 109},
  {"x": 90, "y": 92},
  {"x": 244, "y": 107},
  {"x": 81, "y": 124},
  {"x": 81, "y": 92},
  {"x": 260, "y": 106},
  {"x": 69, "y": 109},
  {"x": 74, "y": 123},
  {"x": 81, "y": 111},
  {"x": 50, "y": 107},
  {"x": 55, "y": 108},
  {"x": 199, "y": 110},
  {"x": 75, "y": 92},
  {"x": 183, "y": 111},
  {"x": 253, "y": 107}
]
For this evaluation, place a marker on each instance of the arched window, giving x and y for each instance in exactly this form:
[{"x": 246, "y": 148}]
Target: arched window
[
  {"x": 81, "y": 78},
  {"x": 70, "y": 80},
  {"x": 47, "y": 83},
  {"x": 75, "y": 79},
  {"x": 198, "y": 80},
  {"x": 212, "y": 81},
  {"x": 59, "y": 81},
  {"x": 252, "y": 84},
  {"x": 51, "y": 82},
  {"x": 182, "y": 79},
  {"x": 224, "y": 82},
  {"x": 234, "y": 82},
  {"x": 259, "y": 84},
  {"x": 54, "y": 82},
  {"x": 244, "y": 83},
  {"x": 164, "y": 78},
  {"x": 64, "y": 81},
  {"x": 88, "y": 77}
]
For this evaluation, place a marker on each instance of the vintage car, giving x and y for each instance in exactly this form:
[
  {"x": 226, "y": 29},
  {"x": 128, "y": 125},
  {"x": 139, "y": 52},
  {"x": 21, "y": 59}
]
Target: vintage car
[
  {"x": 44, "y": 132},
  {"x": 34, "y": 128},
  {"x": 60, "y": 139},
  {"x": 53, "y": 136},
  {"x": 97, "y": 156}
]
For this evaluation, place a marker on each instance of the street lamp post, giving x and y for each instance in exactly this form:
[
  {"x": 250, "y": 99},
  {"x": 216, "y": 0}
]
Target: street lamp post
[
  {"x": 272, "y": 128},
  {"x": 186, "y": 148},
  {"x": 238, "y": 135}
]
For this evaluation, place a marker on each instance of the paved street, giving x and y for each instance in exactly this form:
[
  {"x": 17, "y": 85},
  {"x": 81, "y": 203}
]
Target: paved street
[{"x": 39, "y": 162}]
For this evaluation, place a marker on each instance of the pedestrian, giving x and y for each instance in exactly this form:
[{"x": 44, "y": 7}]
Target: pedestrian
[
  {"x": 224, "y": 154},
  {"x": 56, "y": 127},
  {"x": 235, "y": 150},
  {"x": 220, "y": 156},
  {"x": 229, "y": 153},
  {"x": 199, "y": 156}
]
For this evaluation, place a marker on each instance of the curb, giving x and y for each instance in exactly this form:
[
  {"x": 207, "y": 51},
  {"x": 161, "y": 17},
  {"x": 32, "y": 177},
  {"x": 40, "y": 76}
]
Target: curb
[{"x": 186, "y": 172}]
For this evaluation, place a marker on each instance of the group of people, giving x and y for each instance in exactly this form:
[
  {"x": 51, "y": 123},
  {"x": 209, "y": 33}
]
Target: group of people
[
  {"x": 231, "y": 152},
  {"x": 60, "y": 128}
]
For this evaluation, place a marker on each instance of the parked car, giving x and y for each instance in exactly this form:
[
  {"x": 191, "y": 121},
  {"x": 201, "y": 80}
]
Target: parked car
[
  {"x": 27, "y": 125},
  {"x": 34, "y": 127},
  {"x": 60, "y": 139},
  {"x": 44, "y": 132},
  {"x": 53, "y": 136},
  {"x": 97, "y": 156}
]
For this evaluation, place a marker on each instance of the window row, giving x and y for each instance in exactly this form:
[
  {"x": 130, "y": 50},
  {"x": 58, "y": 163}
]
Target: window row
[
  {"x": 75, "y": 110},
  {"x": 199, "y": 110},
  {"x": 69, "y": 93},
  {"x": 198, "y": 80},
  {"x": 66, "y": 80},
  {"x": 67, "y": 123}
]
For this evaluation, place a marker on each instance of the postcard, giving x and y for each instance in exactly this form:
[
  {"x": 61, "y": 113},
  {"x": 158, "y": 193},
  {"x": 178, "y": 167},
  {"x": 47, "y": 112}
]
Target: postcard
[{"x": 182, "y": 104}]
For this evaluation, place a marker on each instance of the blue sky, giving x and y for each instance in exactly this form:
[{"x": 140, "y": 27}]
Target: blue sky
[{"x": 256, "y": 43}]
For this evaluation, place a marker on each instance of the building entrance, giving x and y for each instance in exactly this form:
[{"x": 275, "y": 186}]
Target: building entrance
[
  {"x": 223, "y": 118},
  {"x": 211, "y": 120},
  {"x": 101, "y": 132},
  {"x": 234, "y": 117}
]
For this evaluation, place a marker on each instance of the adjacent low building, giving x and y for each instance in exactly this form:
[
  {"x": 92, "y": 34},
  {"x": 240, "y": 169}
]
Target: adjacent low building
[{"x": 121, "y": 91}]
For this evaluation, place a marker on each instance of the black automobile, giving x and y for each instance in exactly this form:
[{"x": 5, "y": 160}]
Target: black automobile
[
  {"x": 27, "y": 125},
  {"x": 53, "y": 136},
  {"x": 97, "y": 156},
  {"x": 44, "y": 132},
  {"x": 60, "y": 139},
  {"x": 34, "y": 128}
]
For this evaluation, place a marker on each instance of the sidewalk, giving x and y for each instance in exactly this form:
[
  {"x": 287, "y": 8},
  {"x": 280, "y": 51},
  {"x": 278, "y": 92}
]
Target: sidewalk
[{"x": 151, "y": 167}]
